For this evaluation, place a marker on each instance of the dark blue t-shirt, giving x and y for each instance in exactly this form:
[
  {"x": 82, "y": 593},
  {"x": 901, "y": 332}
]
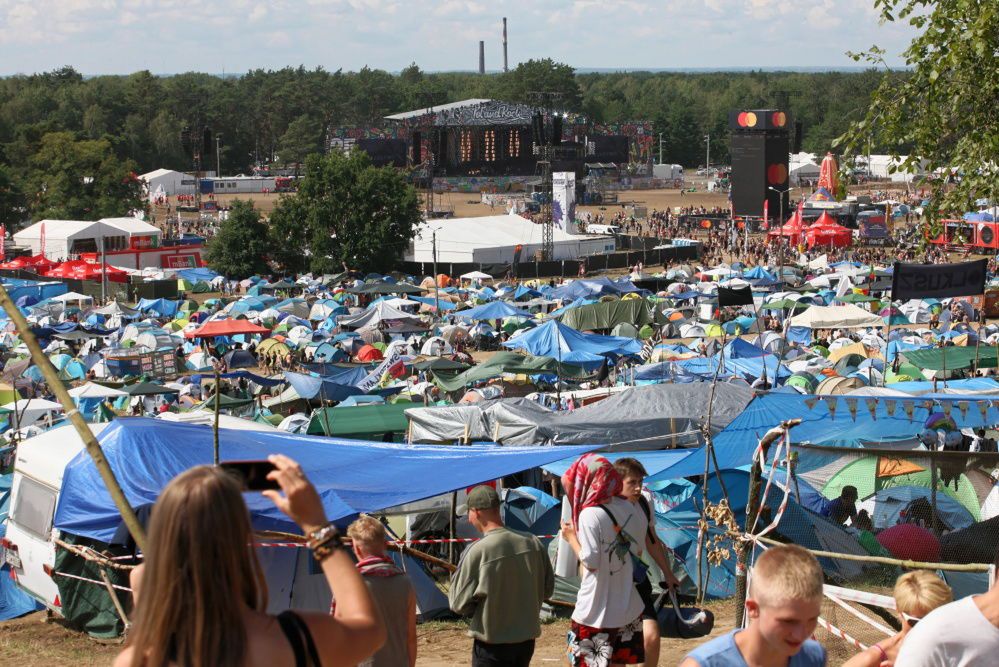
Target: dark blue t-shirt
[{"x": 722, "y": 652}]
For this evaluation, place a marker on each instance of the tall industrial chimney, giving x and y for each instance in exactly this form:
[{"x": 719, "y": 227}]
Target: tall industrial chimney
[
  {"x": 505, "y": 69},
  {"x": 482, "y": 57}
]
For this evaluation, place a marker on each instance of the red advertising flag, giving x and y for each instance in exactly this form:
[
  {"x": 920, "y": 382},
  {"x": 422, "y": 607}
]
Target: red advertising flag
[
  {"x": 766, "y": 216},
  {"x": 3, "y": 242},
  {"x": 41, "y": 249}
]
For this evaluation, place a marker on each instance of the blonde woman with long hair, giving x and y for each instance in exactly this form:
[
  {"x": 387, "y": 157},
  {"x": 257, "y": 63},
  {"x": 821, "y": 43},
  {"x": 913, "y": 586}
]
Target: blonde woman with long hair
[{"x": 203, "y": 597}]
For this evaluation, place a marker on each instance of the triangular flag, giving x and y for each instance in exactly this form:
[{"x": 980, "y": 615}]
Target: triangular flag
[
  {"x": 811, "y": 402},
  {"x": 963, "y": 407},
  {"x": 983, "y": 408},
  {"x": 947, "y": 407},
  {"x": 890, "y": 406},
  {"x": 851, "y": 405},
  {"x": 872, "y": 407},
  {"x": 831, "y": 406},
  {"x": 908, "y": 407}
]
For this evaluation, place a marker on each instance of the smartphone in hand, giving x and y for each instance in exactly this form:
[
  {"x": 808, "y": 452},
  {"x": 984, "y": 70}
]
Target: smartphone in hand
[{"x": 252, "y": 474}]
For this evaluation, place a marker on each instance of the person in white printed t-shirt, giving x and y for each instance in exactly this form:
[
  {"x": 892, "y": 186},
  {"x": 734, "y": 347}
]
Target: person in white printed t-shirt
[{"x": 964, "y": 633}]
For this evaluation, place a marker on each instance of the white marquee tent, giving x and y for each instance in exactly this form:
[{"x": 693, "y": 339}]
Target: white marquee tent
[
  {"x": 66, "y": 238},
  {"x": 494, "y": 239}
]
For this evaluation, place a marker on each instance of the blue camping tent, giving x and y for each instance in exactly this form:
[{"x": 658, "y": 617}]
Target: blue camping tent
[
  {"x": 351, "y": 476},
  {"x": 678, "y": 530}
]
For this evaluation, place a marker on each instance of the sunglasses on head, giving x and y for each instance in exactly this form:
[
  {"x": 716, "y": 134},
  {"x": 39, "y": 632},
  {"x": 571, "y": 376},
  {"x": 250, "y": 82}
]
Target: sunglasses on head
[{"x": 911, "y": 619}]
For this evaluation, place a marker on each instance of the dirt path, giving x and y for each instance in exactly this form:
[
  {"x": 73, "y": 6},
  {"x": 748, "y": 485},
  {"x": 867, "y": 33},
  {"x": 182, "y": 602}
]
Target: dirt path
[{"x": 33, "y": 641}]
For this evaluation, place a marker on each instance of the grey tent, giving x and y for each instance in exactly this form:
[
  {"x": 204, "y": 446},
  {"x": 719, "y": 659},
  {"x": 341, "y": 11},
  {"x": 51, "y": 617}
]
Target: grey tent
[{"x": 649, "y": 417}]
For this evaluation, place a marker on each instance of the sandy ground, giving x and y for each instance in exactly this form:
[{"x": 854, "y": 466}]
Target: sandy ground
[{"x": 33, "y": 641}]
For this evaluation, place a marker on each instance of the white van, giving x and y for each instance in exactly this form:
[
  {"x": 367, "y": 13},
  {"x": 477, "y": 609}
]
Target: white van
[{"x": 28, "y": 546}]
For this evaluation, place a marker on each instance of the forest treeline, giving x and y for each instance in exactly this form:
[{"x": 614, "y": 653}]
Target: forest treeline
[{"x": 135, "y": 121}]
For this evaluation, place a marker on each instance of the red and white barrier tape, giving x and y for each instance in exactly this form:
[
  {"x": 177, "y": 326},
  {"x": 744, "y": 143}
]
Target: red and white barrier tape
[
  {"x": 852, "y": 595},
  {"x": 836, "y": 632},
  {"x": 870, "y": 621},
  {"x": 463, "y": 540}
]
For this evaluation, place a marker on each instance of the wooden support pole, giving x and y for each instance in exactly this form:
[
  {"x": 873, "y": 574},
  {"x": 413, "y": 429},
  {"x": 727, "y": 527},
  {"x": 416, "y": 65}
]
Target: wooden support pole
[{"x": 752, "y": 512}]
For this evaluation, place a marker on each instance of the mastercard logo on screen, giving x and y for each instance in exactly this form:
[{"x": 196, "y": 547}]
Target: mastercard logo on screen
[{"x": 747, "y": 119}]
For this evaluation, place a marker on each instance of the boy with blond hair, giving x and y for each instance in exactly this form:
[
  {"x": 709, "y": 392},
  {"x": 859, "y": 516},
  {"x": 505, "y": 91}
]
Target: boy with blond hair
[{"x": 783, "y": 605}]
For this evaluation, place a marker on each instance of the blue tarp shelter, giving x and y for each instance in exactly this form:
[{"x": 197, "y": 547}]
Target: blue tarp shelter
[
  {"x": 593, "y": 287},
  {"x": 202, "y": 274},
  {"x": 565, "y": 344},
  {"x": 334, "y": 387},
  {"x": 351, "y": 476},
  {"x": 841, "y": 427},
  {"x": 494, "y": 310}
]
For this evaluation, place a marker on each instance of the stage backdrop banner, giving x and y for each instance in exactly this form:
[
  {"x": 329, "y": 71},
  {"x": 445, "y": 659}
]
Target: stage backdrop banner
[
  {"x": 564, "y": 201},
  {"x": 938, "y": 281}
]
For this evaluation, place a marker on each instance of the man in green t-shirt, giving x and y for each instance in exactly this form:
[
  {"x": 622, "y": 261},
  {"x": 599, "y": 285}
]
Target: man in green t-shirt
[{"x": 501, "y": 582}]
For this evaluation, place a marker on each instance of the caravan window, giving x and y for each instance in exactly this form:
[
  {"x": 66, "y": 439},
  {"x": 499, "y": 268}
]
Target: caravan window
[{"x": 34, "y": 507}]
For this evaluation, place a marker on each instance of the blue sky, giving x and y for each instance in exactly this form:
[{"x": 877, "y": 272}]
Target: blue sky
[{"x": 164, "y": 36}]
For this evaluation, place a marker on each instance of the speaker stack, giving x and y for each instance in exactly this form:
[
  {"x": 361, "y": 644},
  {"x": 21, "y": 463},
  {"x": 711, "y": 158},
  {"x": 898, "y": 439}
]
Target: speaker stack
[{"x": 759, "y": 148}]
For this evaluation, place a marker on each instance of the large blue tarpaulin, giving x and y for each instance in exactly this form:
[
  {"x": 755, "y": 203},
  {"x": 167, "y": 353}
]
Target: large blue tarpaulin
[
  {"x": 351, "y": 476},
  {"x": 850, "y": 423}
]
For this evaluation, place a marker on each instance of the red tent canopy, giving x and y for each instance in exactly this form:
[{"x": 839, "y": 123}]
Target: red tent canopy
[
  {"x": 38, "y": 262},
  {"x": 227, "y": 328},
  {"x": 79, "y": 270},
  {"x": 794, "y": 229},
  {"x": 827, "y": 232}
]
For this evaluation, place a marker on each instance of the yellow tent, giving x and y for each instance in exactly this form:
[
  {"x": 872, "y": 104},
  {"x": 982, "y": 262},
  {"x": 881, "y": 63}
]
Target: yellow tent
[{"x": 856, "y": 348}]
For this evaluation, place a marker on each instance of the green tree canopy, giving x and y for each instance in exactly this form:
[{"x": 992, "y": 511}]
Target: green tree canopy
[
  {"x": 242, "y": 245},
  {"x": 303, "y": 137},
  {"x": 942, "y": 116},
  {"x": 544, "y": 75},
  {"x": 345, "y": 212},
  {"x": 74, "y": 179}
]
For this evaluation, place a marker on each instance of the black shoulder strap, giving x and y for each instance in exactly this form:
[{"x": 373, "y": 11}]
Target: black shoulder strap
[
  {"x": 296, "y": 630},
  {"x": 643, "y": 502},
  {"x": 610, "y": 514}
]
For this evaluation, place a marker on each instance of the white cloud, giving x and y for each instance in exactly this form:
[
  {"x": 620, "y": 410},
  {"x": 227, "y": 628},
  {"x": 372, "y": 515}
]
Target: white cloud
[{"x": 98, "y": 36}]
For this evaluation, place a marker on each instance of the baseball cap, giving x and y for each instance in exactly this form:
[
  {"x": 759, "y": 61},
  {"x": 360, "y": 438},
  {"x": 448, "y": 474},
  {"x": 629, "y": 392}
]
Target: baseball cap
[{"x": 482, "y": 497}]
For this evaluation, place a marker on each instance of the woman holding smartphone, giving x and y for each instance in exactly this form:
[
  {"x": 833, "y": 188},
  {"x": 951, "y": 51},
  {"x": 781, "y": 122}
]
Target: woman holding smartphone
[{"x": 203, "y": 596}]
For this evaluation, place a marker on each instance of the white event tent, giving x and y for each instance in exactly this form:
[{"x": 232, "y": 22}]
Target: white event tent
[{"x": 494, "y": 239}]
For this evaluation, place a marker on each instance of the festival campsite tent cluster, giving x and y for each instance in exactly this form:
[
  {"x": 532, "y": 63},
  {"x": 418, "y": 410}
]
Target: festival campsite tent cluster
[{"x": 394, "y": 391}]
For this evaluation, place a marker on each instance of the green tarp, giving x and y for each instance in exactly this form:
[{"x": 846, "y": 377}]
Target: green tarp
[
  {"x": 360, "y": 420},
  {"x": 608, "y": 314},
  {"x": 87, "y": 606},
  {"x": 507, "y": 362},
  {"x": 953, "y": 358}
]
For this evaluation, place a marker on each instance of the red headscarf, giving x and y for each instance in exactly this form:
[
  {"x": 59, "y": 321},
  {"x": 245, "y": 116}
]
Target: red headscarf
[{"x": 590, "y": 481}]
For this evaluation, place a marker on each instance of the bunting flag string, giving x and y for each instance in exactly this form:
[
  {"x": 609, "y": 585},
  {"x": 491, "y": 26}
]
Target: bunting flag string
[{"x": 851, "y": 406}]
